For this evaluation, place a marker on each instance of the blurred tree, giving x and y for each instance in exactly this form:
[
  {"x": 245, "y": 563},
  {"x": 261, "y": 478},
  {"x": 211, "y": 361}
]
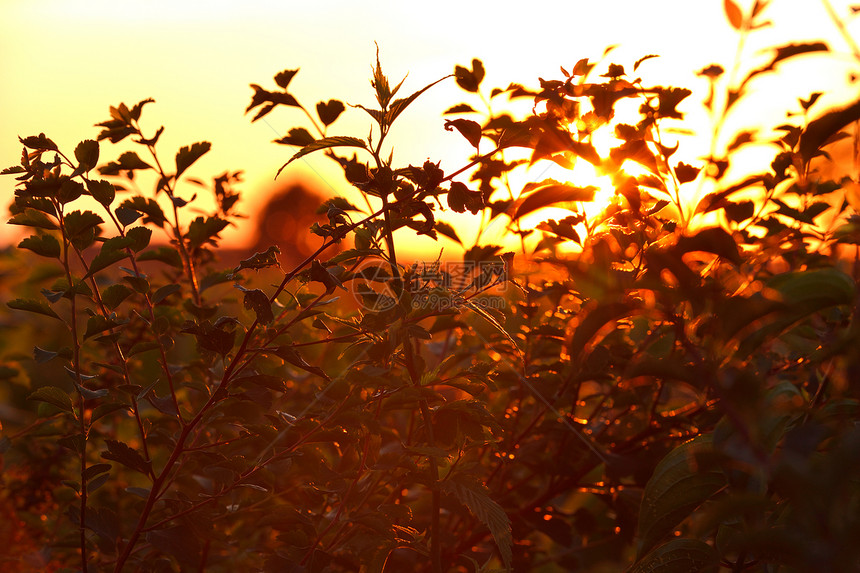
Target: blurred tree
[{"x": 284, "y": 221}]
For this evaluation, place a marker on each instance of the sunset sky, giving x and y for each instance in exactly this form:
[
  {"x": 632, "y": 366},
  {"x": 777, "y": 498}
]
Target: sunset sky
[{"x": 64, "y": 63}]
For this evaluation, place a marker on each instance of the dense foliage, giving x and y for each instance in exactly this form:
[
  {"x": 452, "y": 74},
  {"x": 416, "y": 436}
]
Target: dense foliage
[{"x": 664, "y": 386}]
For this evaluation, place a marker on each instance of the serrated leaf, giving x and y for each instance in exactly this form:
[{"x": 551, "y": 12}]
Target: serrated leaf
[
  {"x": 87, "y": 154},
  {"x": 398, "y": 105},
  {"x": 127, "y": 456},
  {"x": 475, "y": 497},
  {"x": 329, "y": 111},
  {"x": 257, "y": 301},
  {"x": 679, "y": 556},
  {"x": 151, "y": 210},
  {"x": 205, "y": 230},
  {"x": 298, "y": 136},
  {"x": 186, "y": 155},
  {"x": 140, "y": 237},
  {"x": 326, "y": 143},
  {"x": 98, "y": 324},
  {"x": 43, "y": 245},
  {"x": 448, "y": 231},
  {"x": 39, "y": 142},
  {"x": 105, "y": 259},
  {"x": 54, "y": 396},
  {"x": 30, "y": 305},
  {"x": 284, "y": 78},
  {"x": 676, "y": 488},
  {"x": 291, "y": 355},
  {"x": 263, "y": 260},
  {"x": 102, "y": 191},
  {"x": 115, "y": 294},
  {"x": 166, "y": 255},
  {"x": 33, "y": 218}
]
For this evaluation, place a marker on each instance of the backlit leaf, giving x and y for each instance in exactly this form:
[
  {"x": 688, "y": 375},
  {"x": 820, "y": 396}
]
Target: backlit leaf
[
  {"x": 43, "y": 245},
  {"x": 127, "y": 456},
  {"x": 186, "y": 156},
  {"x": 679, "y": 556},
  {"x": 31, "y": 305},
  {"x": 551, "y": 194},
  {"x": 329, "y": 111},
  {"x": 475, "y": 496},
  {"x": 676, "y": 488},
  {"x": 326, "y": 143},
  {"x": 733, "y": 13},
  {"x": 54, "y": 396}
]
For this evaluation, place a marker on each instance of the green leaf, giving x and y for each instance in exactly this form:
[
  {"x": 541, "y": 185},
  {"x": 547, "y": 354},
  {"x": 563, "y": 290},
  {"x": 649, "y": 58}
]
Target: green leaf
[
  {"x": 326, "y": 143},
  {"x": 105, "y": 259},
  {"x": 33, "y": 218},
  {"x": 801, "y": 294},
  {"x": 475, "y": 496},
  {"x": 139, "y": 238},
  {"x": 115, "y": 294},
  {"x": 54, "y": 396},
  {"x": 78, "y": 223},
  {"x": 679, "y": 556},
  {"x": 127, "y": 456},
  {"x": 164, "y": 292},
  {"x": 676, "y": 488},
  {"x": 43, "y": 245},
  {"x": 31, "y": 305},
  {"x": 291, "y": 355},
  {"x": 143, "y": 347},
  {"x": 97, "y": 324},
  {"x": 186, "y": 156},
  {"x": 167, "y": 255},
  {"x": 202, "y": 231}
]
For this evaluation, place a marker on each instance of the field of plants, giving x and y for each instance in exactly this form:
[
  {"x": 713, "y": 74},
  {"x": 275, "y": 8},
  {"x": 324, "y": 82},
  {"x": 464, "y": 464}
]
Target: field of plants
[{"x": 666, "y": 385}]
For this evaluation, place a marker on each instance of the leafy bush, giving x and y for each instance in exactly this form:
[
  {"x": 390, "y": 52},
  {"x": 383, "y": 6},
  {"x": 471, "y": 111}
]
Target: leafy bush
[{"x": 677, "y": 392}]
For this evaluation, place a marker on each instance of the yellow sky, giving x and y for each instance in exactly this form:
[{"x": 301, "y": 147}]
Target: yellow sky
[{"x": 64, "y": 62}]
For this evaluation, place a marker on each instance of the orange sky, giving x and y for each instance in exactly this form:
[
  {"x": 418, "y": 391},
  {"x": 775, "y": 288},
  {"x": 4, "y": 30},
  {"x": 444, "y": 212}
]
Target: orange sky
[{"x": 64, "y": 62}]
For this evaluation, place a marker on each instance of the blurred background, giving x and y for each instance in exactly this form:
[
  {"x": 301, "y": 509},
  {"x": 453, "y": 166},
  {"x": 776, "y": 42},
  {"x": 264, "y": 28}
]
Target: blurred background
[{"x": 64, "y": 62}]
